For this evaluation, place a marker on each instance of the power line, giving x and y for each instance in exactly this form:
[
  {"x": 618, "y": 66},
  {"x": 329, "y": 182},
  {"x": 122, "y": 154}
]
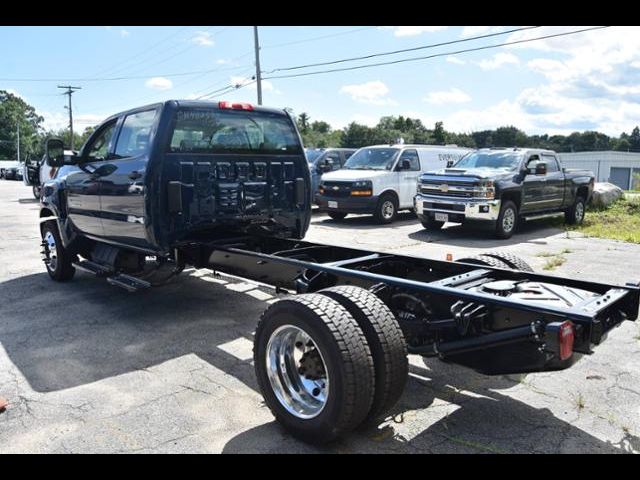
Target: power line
[
  {"x": 312, "y": 39},
  {"x": 404, "y": 50},
  {"x": 427, "y": 57}
]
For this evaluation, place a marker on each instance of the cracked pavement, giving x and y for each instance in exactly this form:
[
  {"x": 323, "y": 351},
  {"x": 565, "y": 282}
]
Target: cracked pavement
[{"x": 89, "y": 368}]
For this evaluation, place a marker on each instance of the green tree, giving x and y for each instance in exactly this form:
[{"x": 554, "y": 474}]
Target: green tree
[
  {"x": 439, "y": 134},
  {"x": 303, "y": 122},
  {"x": 14, "y": 112},
  {"x": 634, "y": 139}
]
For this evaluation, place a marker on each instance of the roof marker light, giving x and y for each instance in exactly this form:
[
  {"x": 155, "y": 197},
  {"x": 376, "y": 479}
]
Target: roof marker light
[{"x": 224, "y": 105}]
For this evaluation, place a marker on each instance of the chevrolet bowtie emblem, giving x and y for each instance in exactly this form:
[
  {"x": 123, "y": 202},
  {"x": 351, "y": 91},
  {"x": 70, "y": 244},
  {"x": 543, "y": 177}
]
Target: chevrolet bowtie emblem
[
  {"x": 336, "y": 188},
  {"x": 444, "y": 188}
]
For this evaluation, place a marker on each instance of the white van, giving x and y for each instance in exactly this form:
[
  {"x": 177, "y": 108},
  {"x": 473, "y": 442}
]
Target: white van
[{"x": 382, "y": 179}]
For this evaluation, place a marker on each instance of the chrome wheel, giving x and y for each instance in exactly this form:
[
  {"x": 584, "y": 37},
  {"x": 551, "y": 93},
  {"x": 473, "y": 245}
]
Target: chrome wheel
[
  {"x": 508, "y": 220},
  {"x": 579, "y": 212},
  {"x": 297, "y": 372},
  {"x": 50, "y": 252},
  {"x": 388, "y": 210}
]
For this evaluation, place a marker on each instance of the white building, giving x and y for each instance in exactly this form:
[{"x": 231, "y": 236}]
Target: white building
[{"x": 619, "y": 168}]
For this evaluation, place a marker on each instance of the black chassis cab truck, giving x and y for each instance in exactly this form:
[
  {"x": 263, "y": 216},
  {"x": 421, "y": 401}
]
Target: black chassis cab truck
[
  {"x": 504, "y": 186},
  {"x": 226, "y": 186}
]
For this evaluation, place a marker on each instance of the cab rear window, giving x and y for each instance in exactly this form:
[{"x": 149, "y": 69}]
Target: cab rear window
[{"x": 208, "y": 131}]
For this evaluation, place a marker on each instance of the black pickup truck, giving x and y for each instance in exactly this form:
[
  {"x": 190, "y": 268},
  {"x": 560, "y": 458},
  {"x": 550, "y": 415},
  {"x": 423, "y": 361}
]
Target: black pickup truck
[
  {"x": 503, "y": 186},
  {"x": 226, "y": 186}
]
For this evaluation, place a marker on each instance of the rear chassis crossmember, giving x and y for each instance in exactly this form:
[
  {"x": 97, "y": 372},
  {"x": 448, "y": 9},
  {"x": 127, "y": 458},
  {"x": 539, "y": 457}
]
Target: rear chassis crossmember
[{"x": 305, "y": 267}]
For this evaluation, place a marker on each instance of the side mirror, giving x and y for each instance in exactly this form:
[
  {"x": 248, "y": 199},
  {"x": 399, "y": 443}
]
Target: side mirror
[
  {"x": 324, "y": 166},
  {"x": 541, "y": 169},
  {"x": 55, "y": 152}
]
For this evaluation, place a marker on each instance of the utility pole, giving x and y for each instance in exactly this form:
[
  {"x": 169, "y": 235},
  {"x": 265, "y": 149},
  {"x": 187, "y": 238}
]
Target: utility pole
[
  {"x": 69, "y": 92},
  {"x": 18, "y": 146},
  {"x": 258, "y": 74}
]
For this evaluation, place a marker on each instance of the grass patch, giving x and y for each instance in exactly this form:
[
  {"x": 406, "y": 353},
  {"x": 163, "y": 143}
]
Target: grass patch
[
  {"x": 554, "y": 262},
  {"x": 546, "y": 254},
  {"x": 621, "y": 221}
]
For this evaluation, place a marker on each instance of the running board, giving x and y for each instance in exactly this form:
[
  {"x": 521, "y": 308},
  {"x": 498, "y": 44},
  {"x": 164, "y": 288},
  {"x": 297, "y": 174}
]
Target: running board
[
  {"x": 543, "y": 215},
  {"x": 93, "y": 268},
  {"x": 129, "y": 283}
]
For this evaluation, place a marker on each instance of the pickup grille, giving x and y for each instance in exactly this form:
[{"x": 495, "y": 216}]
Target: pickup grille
[
  {"x": 448, "y": 189},
  {"x": 452, "y": 207},
  {"x": 337, "y": 189}
]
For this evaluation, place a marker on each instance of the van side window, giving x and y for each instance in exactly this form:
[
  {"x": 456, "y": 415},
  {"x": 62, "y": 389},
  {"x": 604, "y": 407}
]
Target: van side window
[
  {"x": 412, "y": 156},
  {"x": 98, "y": 149},
  {"x": 552, "y": 163},
  {"x": 134, "y": 134}
]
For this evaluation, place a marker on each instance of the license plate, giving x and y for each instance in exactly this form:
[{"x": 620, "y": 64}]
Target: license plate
[
  {"x": 442, "y": 217},
  {"x": 333, "y": 204}
]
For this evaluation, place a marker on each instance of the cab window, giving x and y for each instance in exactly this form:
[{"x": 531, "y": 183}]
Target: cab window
[
  {"x": 98, "y": 149},
  {"x": 133, "y": 139},
  {"x": 333, "y": 158},
  {"x": 412, "y": 156},
  {"x": 552, "y": 163}
]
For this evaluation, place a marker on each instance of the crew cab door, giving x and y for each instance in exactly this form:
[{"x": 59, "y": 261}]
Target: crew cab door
[
  {"x": 122, "y": 186},
  {"x": 408, "y": 176},
  {"x": 83, "y": 185},
  {"x": 534, "y": 195},
  {"x": 555, "y": 187}
]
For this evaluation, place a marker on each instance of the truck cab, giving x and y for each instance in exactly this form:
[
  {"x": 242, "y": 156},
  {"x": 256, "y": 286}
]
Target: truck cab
[
  {"x": 161, "y": 175},
  {"x": 381, "y": 180}
]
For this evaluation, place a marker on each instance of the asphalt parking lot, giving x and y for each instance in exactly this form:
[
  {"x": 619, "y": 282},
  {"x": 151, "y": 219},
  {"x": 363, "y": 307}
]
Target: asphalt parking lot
[{"x": 89, "y": 368}]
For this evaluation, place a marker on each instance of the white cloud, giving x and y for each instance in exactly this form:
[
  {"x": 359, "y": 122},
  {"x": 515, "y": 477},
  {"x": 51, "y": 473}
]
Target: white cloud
[
  {"x": 453, "y": 95},
  {"x": 204, "y": 39},
  {"x": 59, "y": 120},
  {"x": 474, "y": 31},
  {"x": 413, "y": 31},
  {"x": 222, "y": 61},
  {"x": 124, "y": 33},
  {"x": 455, "y": 60},
  {"x": 373, "y": 93},
  {"x": 498, "y": 60},
  {"x": 159, "y": 83}
]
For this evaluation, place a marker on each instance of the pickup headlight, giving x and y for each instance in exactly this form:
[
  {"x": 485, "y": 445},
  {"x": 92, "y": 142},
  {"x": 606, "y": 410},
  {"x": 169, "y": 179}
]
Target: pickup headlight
[
  {"x": 486, "y": 190},
  {"x": 362, "y": 189}
]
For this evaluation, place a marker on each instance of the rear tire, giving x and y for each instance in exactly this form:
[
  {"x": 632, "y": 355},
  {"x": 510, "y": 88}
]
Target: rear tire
[
  {"x": 337, "y": 216},
  {"x": 430, "y": 224},
  {"x": 507, "y": 220},
  {"x": 575, "y": 214},
  {"x": 386, "y": 341},
  {"x": 59, "y": 260},
  {"x": 486, "y": 261},
  {"x": 386, "y": 209},
  {"x": 345, "y": 359},
  {"x": 513, "y": 261}
]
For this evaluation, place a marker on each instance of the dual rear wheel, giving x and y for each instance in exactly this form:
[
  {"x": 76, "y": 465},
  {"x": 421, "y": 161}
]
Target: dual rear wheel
[{"x": 329, "y": 362}]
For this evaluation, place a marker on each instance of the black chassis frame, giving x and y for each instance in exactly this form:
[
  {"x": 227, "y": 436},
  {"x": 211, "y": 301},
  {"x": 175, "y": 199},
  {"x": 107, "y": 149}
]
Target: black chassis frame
[{"x": 304, "y": 267}]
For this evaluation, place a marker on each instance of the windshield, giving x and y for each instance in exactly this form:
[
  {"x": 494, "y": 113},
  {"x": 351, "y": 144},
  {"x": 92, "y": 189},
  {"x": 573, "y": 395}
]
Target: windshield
[
  {"x": 372, "y": 159},
  {"x": 506, "y": 160},
  {"x": 312, "y": 155},
  {"x": 202, "y": 130}
]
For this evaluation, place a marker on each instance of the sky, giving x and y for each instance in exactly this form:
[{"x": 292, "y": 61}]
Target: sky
[{"x": 586, "y": 81}]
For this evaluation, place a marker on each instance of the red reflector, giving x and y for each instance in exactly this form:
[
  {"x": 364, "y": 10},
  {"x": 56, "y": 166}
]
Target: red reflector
[
  {"x": 566, "y": 336},
  {"x": 235, "y": 106}
]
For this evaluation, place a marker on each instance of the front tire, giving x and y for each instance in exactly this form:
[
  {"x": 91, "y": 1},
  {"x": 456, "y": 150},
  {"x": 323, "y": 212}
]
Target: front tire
[
  {"x": 58, "y": 259},
  {"x": 337, "y": 216},
  {"x": 386, "y": 209},
  {"x": 575, "y": 214},
  {"x": 314, "y": 367},
  {"x": 507, "y": 220},
  {"x": 430, "y": 223}
]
